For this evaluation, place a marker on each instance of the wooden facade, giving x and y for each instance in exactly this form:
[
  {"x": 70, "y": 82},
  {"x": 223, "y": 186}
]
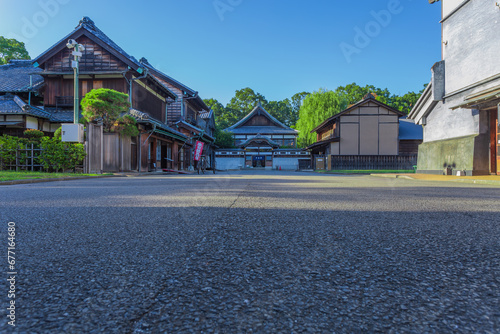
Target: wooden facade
[
  {"x": 368, "y": 133},
  {"x": 185, "y": 115},
  {"x": 104, "y": 64}
]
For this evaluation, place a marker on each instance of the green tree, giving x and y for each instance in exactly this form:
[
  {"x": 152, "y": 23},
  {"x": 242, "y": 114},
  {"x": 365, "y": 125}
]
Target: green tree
[
  {"x": 315, "y": 109},
  {"x": 12, "y": 49},
  {"x": 126, "y": 125},
  {"x": 243, "y": 102},
  {"x": 220, "y": 112},
  {"x": 223, "y": 139},
  {"x": 354, "y": 93},
  {"x": 282, "y": 111},
  {"x": 105, "y": 104}
]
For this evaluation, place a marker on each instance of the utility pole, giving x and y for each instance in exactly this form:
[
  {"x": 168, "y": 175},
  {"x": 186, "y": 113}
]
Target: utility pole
[{"x": 77, "y": 54}]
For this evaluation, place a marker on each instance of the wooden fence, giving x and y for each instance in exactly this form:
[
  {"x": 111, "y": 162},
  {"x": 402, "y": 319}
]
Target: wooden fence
[
  {"x": 373, "y": 162},
  {"x": 26, "y": 158}
]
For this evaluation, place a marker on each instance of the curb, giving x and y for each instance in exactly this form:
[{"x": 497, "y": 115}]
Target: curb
[
  {"x": 30, "y": 181},
  {"x": 394, "y": 176},
  {"x": 471, "y": 181}
]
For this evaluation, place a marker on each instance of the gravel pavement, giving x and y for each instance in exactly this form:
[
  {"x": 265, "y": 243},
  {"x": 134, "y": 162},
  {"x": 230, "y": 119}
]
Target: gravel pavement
[{"x": 245, "y": 252}]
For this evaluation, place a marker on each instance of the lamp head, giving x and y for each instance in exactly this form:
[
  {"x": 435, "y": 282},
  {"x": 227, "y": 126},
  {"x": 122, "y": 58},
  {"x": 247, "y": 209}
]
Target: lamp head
[{"x": 71, "y": 44}]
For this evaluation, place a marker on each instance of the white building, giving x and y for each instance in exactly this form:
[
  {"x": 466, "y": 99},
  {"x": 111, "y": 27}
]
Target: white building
[{"x": 459, "y": 108}]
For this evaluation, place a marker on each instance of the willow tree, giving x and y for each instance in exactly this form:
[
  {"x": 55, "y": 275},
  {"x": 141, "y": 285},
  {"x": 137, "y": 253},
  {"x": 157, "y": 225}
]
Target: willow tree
[{"x": 315, "y": 109}]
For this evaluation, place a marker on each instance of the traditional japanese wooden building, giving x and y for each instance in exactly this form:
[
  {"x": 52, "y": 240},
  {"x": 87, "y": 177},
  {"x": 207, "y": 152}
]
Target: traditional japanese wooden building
[
  {"x": 189, "y": 115},
  {"x": 262, "y": 142},
  {"x": 39, "y": 94},
  {"x": 367, "y": 135}
]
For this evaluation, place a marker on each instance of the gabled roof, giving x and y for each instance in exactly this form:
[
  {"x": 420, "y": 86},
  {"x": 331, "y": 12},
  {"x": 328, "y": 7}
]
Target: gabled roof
[
  {"x": 167, "y": 78},
  {"x": 15, "y": 77},
  {"x": 260, "y": 140},
  {"x": 259, "y": 110},
  {"x": 367, "y": 99},
  {"x": 12, "y": 104},
  {"x": 188, "y": 91},
  {"x": 87, "y": 27}
]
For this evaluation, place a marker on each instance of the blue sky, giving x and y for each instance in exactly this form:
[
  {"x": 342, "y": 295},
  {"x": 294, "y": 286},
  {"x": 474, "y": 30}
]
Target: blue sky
[{"x": 278, "y": 47}]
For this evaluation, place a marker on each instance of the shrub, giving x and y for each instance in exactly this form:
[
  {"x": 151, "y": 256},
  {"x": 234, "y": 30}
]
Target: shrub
[
  {"x": 33, "y": 135},
  {"x": 57, "y": 155}
]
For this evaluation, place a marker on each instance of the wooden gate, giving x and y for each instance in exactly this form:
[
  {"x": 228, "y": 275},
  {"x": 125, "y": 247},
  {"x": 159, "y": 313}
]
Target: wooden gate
[{"x": 94, "y": 148}]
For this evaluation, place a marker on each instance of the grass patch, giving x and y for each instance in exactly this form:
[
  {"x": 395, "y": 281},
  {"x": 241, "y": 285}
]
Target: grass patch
[
  {"x": 13, "y": 175},
  {"x": 368, "y": 171}
]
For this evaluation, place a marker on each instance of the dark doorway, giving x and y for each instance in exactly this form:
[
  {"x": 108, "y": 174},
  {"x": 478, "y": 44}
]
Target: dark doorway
[
  {"x": 133, "y": 152},
  {"x": 494, "y": 144},
  {"x": 259, "y": 161},
  {"x": 164, "y": 156}
]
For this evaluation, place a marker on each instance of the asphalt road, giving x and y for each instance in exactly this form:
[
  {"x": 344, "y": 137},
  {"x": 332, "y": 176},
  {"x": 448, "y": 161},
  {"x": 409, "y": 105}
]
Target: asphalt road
[{"x": 252, "y": 253}]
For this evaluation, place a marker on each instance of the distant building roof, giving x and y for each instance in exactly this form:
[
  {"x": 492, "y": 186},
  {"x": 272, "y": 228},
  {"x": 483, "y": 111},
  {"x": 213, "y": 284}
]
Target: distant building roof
[
  {"x": 249, "y": 130},
  {"x": 278, "y": 128},
  {"x": 12, "y": 104},
  {"x": 15, "y": 77},
  {"x": 259, "y": 139},
  {"x": 408, "y": 130},
  {"x": 366, "y": 99}
]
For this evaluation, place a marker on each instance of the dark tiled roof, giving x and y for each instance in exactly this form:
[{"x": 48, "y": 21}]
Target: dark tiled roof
[
  {"x": 61, "y": 115},
  {"x": 408, "y": 130},
  {"x": 174, "y": 82},
  {"x": 11, "y": 104},
  {"x": 142, "y": 117},
  {"x": 260, "y": 139},
  {"x": 263, "y": 129},
  {"x": 15, "y": 77},
  {"x": 89, "y": 25},
  {"x": 259, "y": 109}
]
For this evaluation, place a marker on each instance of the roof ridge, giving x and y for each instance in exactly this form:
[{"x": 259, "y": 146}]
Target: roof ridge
[
  {"x": 250, "y": 114},
  {"x": 144, "y": 61}
]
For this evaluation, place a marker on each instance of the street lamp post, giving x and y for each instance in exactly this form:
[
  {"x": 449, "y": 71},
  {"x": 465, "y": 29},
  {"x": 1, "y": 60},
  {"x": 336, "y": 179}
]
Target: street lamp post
[{"x": 77, "y": 54}]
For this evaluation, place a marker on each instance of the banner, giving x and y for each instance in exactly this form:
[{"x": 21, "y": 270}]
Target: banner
[{"x": 198, "y": 150}]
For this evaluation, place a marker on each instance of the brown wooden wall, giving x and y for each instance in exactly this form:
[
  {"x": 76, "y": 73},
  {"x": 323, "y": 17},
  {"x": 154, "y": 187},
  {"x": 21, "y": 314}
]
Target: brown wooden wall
[
  {"x": 409, "y": 146},
  {"x": 94, "y": 59},
  {"x": 55, "y": 87},
  {"x": 146, "y": 102},
  {"x": 174, "y": 111}
]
